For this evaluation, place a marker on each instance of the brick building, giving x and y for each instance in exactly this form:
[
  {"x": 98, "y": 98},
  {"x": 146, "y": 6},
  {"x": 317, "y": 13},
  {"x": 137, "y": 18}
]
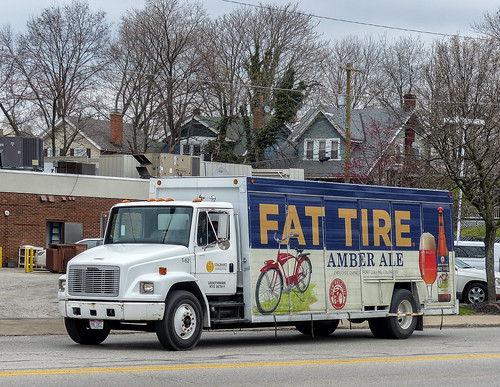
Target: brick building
[{"x": 39, "y": 209}]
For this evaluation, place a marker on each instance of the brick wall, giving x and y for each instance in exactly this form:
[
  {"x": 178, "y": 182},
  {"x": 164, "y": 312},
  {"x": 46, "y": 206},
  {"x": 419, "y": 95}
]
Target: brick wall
[{"x": 28, "y": 216}]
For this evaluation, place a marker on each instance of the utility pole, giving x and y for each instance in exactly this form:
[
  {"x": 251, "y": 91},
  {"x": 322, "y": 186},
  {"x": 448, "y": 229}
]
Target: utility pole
[{"x": 347, "y": 178}]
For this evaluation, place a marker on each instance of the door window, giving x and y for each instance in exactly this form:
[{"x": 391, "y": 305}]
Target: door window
[{"x": 213, "y": 226}]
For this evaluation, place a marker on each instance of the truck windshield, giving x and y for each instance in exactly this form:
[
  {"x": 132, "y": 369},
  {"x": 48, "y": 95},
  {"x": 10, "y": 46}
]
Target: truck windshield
[{"x": 150, "y": 224}]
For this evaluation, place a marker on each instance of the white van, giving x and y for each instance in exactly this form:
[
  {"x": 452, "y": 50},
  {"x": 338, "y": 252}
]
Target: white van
[{"x": 473, "y": 253}]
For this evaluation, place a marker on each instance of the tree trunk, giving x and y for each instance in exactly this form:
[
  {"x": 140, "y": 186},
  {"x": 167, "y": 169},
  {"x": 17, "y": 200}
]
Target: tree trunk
[{"x": 489, "y": 243}]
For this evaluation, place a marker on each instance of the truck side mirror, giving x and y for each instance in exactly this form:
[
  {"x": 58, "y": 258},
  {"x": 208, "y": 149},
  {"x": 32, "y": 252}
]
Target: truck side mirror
[{"x": 224, "y": 244}]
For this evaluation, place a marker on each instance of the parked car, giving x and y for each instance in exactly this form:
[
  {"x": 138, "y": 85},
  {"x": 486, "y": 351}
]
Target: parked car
[
  {"x": 91, "y": 242},
  {"x": 473, "y": 253},
  {"x": 471, "y": 283}
]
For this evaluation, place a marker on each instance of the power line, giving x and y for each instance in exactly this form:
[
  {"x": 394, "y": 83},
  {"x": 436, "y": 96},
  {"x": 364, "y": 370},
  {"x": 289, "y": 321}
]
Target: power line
[{"x": 384, "y": 26}]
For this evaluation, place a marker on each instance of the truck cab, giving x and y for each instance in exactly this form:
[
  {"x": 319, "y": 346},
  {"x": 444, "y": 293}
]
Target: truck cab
[{"x": 153, "y": 252}]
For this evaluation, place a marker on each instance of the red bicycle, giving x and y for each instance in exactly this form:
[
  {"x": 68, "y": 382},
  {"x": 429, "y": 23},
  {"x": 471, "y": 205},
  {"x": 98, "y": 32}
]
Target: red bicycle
[{"x": 270, "y": 284}]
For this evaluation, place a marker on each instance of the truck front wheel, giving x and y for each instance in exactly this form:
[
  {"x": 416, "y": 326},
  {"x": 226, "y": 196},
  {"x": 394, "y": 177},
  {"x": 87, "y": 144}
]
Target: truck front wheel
[
  {"x": 80, "y": 332},
  {"x": 181, "y": 326}
]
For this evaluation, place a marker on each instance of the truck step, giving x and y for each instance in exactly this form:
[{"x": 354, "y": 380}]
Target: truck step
[
  {"x": 226, "y": 310},
  {"x": 226, "y": 304}
]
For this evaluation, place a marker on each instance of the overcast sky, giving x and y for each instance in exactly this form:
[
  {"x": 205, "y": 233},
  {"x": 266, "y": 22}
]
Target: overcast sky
[{"x": 441, "y": 16}]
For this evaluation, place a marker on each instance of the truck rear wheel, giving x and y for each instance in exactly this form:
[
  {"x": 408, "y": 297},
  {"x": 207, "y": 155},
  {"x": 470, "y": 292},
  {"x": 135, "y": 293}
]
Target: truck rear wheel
[
  {"x": 319, "y": 328},
  {"x": 396, "y": 327},
  {"x": 378, "y": 326},
  {"x": 181, "y": 326},
  {"x": 403, "y": 325},
  {"x": 80, "y": 332}
]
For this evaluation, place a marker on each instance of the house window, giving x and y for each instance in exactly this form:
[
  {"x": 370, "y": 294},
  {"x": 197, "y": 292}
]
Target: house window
[
  {"x": 79, "y": 152},
  {"x": 322, "y": 149},
  {"x": 194, "y": 149},
  {"x": 51, "y": 154},
  {"x": 398, "y": 156},
  {"x": 309, "y": 150}
]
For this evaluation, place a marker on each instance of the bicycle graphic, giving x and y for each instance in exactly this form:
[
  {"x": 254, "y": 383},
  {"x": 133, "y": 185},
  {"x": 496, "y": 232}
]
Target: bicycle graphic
[{"x": 270, "y": 283}]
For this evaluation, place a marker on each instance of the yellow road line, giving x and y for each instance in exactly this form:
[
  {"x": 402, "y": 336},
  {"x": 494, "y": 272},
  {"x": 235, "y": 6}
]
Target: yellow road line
[{"x": 241, "y": 365}]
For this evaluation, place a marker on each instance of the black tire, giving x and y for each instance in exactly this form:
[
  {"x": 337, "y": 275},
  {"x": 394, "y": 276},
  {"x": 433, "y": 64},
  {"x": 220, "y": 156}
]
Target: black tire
[
  {"x": 182, "y": 323},
  {"x": 378, "y": 327},
  {"x": 319, "y": 328},
  {"x": 80, "y": 332},
  {"x": 268, "y": 290},
  {"x": 402, "y": 326},
  {"x": 475, "y": 292},
  {"x": 304, "y": 275}
]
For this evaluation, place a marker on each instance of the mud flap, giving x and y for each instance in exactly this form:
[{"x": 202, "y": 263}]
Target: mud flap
[{"x": 420, "y": 323}]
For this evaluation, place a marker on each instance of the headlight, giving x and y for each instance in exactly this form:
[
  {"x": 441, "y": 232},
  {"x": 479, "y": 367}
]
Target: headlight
[
  {"x": 147, "y": 287},
  {"x": 62, "y": 285}
]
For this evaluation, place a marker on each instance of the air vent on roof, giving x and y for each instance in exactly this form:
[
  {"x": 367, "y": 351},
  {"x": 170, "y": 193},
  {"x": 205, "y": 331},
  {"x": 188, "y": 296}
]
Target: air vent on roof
[{"x": 21, "y": 153}]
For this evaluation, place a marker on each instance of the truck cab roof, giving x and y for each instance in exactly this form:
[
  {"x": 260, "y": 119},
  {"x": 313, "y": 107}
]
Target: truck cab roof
[{"x": 182, "y": 203}]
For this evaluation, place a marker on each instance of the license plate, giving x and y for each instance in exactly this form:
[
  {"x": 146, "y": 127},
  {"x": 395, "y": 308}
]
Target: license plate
[{"x": 96, "y": 324}]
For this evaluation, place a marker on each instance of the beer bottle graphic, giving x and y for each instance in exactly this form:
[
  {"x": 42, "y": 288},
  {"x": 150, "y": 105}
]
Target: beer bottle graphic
[{"x": 443, "y": 261}]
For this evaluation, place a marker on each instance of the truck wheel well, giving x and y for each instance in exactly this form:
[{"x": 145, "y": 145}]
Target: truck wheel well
[
  {"x": 411, "y": 287},
  {"x": 403, "y": 285},
  {"x": 189, "y": 287}
]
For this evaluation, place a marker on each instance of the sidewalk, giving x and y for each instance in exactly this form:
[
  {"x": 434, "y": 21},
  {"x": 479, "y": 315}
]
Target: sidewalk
[{"x": 28, "y": 306}]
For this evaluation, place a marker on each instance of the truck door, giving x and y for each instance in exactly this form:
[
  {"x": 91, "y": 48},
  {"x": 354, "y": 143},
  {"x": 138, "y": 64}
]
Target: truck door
[{"x": 215, "y": 250}]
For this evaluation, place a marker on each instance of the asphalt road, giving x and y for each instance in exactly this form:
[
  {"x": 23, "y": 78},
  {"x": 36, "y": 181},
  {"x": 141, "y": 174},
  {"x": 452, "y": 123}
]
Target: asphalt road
[{"x": 450, "y": 357}]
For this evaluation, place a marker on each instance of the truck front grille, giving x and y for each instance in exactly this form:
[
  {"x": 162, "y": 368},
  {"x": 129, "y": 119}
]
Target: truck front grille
[{"x": 93, "y": 280}]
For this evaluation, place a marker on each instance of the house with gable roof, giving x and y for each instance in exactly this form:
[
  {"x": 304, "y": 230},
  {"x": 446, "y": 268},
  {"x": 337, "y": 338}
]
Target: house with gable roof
[
  {"x": 198, "y": 131},
  {"x": 383, "y": 141},
  {"x": 92, "y": 138}
]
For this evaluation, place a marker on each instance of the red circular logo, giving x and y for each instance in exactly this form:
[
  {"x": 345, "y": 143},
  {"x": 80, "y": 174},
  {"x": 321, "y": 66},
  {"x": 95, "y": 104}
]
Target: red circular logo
[{"x": 338, "y": 293}]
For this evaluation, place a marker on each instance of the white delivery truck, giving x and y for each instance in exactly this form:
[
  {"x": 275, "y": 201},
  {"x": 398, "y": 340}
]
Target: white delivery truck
[{"x": 236, "y": 252}]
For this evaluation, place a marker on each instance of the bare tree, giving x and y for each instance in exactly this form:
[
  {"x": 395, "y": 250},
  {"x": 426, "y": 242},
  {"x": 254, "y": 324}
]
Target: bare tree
[
  {"x": 169, "y": 33},
  {"x": 224, "y": 57},
  {"x": 460, "y": 124},
  {"x": 363, "y": 55},
  {"x": 13, "y": 90},
  {"x": 490, "y": 25},
  {"x": 400, "y": 71},
  {"x": 282, "y": 38},
  {"x": 132, "y": 79},
  {"x": 59, "y": 56}
]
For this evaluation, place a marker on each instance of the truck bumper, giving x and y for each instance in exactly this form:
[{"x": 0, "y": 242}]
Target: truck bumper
[{"x": 126, "y": 311}]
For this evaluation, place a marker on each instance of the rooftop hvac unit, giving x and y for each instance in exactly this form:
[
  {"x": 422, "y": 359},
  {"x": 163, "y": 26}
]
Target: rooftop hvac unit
[
  {"x": 21, "y": 153},
  {"x": 166, "y": 165},
  {"x": 75, "y": 168}
]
